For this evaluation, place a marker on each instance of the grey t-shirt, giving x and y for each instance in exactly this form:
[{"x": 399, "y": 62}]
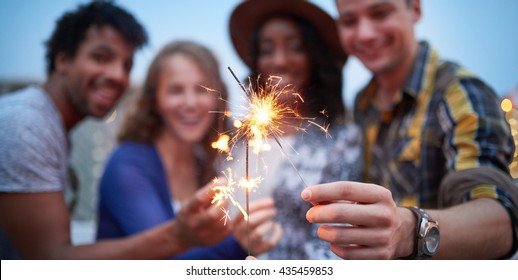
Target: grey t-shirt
[{"x": 33, "y": 147}]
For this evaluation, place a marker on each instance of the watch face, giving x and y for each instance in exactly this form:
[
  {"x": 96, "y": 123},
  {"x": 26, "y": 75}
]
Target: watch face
[{"x": 431, "y": 240}]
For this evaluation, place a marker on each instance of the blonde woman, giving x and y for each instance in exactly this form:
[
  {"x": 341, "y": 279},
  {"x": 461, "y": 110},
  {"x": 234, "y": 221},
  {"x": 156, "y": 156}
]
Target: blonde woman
[{"x": 164, "y": 156}]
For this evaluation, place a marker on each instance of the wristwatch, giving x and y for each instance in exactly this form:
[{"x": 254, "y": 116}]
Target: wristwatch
[{"x": 427, "y": 235}]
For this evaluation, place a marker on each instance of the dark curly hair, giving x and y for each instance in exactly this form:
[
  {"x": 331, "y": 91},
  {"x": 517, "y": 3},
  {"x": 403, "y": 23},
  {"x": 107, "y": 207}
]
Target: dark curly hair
[
  {"x": 325, "y": 85},
  {"x": 71, "y": 28}
]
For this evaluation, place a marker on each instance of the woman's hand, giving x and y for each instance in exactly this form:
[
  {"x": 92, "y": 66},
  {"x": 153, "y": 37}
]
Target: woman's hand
[
  {"x": 199, "y": 222},
  {"x": 264, "y": 232}
]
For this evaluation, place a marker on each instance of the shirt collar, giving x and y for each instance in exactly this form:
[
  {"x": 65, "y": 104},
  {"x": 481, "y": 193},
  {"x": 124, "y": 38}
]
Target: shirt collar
[{"x": 418, "y": 79}]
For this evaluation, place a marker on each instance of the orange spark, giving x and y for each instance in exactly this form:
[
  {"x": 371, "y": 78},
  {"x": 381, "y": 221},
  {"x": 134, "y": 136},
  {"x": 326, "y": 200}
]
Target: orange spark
[
  {"x": 269, "y": 109},
  {"x": 226, "y": 192}
]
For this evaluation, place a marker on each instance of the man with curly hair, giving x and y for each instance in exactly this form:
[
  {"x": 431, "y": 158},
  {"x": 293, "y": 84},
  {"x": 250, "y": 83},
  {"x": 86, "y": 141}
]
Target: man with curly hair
[{"x": 89, "y": 56}]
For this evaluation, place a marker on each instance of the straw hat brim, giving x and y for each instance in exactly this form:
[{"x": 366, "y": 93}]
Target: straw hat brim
[{"x": 247, "y": 16}]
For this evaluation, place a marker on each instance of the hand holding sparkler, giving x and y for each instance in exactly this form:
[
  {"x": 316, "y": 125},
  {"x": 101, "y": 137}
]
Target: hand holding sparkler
[
  {"x": 198, "y": 223},
  {"x": 268, "y": 113},
  {"x": 264, "y": 232},
  {"x": 360, "y": 221}
]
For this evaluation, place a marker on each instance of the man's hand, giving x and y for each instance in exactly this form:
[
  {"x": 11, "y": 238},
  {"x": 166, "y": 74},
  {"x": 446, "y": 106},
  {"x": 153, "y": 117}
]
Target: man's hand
[{"x": 360, "y": 221}]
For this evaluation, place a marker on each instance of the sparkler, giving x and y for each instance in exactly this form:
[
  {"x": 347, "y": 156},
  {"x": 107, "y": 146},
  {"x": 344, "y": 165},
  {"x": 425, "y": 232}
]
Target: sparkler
[
  {"x": 226, "y": 192},
  {"x": 226, "y": 216},
  {"x": 267, "y": 114},
  {"x": 267, "y": 110}
]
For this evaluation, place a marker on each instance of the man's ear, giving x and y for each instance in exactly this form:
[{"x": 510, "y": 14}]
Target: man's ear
[
  {"x": 415, "y": 5},
  {"x": 61, "y": 62}
]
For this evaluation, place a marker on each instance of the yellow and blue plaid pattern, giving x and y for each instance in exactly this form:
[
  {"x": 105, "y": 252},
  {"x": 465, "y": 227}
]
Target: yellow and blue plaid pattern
[{"x": 444, "y": 119}]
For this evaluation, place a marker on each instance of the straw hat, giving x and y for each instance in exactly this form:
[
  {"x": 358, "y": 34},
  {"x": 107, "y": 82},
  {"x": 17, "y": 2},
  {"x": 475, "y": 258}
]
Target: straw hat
[{"x": 249, "y": 14}]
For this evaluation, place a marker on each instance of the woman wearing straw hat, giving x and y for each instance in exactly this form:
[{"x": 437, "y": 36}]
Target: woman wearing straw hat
[{"x": 298, "y": 42}]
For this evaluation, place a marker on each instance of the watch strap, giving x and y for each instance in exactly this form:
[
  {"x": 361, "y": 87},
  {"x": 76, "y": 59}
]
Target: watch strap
[{"x": 419, "y": 214}]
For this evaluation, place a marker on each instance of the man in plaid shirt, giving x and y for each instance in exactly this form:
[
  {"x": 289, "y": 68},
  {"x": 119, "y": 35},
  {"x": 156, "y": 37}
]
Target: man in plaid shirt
[{"x": 435, "y": 137}]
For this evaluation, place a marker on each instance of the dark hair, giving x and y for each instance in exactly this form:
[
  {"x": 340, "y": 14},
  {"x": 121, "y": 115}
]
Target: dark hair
[
  {"x": 71, "y": 28},
  {"x": 325, "y": 86},
  {"x": 144, "y": 121}
]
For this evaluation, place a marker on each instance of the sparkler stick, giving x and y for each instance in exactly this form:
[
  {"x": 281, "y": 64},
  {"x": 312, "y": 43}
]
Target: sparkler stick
[
  {"x": 247, "y": 190},
  {"x": 267, "y": 115},
  {"x": 221, "y": 127}
]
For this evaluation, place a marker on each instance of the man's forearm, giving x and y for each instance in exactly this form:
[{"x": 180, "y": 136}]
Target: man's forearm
[
  {"x": 479, "y": 229},
  {"x": 156, "y": 243}
]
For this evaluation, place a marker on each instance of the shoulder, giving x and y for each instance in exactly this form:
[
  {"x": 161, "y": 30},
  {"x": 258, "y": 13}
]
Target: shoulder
[
  {"x": 466, "y": 92},
  {"x": 25, "y": 124},
  {"x": 29, "y": 109},
  {"x": 129, "y": 154},
  {"x": 29, "y": 119},
  {"x": 135, "y": 150},
  {"x": 131, "y": 167},
  {"x": 451, "y": 75},
  {"x": 29, "y": 97},
  {"x": 33, "y": 148}
]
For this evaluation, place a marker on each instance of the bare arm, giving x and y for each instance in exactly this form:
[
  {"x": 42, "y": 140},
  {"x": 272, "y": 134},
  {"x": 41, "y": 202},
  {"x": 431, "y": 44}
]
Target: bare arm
[
  {"x": 479, "y": 229},
  {"x": 38, "y": 225},
  {"x": 381, "y": 230}
]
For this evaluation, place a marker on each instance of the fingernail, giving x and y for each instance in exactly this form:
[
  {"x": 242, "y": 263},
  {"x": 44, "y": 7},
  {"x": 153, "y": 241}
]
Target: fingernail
[
  {"x": 306, "y": 194},
  {"x": 309, "y": 216}
]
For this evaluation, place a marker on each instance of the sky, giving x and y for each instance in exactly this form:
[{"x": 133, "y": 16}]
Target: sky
[{"x": 479, "y": 34}]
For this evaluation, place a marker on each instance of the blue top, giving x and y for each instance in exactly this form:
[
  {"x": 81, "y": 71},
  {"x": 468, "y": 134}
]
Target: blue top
[{"x": 134, "y": 197}]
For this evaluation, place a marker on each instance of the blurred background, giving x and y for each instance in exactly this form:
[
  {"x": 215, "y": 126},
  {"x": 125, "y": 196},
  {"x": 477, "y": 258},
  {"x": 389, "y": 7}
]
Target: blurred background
[{"x": 479, "y": 34}]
